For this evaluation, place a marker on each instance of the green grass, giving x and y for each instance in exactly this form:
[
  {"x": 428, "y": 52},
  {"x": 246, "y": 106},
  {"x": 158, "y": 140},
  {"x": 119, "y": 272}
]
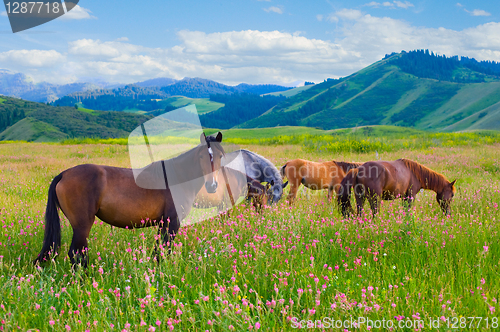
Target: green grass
[
  {"x": 86, "y": 110},
  {"x": 2, "y": 100},
  {"x": 203, "y": 105},
  {"x": 303, "y": 261},
  {"x": 291, "y": 92}
]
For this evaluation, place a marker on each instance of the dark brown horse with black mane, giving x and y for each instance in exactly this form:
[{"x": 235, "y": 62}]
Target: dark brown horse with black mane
[
  {"x": 315, "y": 176},
  {"x": 112, "y": 194},
  {"x": 387, "y": 180}
]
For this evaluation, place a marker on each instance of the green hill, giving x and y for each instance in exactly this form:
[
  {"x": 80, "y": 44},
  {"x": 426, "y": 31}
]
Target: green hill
[
  {"x": 31, "y": 121},
  {"x": 412, "y": 89},
  {"x": 32, "y": 130}
]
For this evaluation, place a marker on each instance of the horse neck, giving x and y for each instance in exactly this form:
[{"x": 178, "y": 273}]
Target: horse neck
[
  {"x": 187, "y": 161},
  {"x": 429, "y": 179}
]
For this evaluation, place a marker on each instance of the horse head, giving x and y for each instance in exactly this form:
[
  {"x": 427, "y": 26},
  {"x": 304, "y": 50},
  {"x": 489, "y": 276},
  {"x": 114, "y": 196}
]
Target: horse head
[
  {"x": 210, "y": 155},
  {"x": 445, "y": 196},
  {"x": 275, "y": 191}
]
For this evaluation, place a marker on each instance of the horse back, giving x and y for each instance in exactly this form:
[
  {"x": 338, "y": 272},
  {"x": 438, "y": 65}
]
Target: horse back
[
  {"x": 386, "y": 176},
  {"x": 86, "y": 191}
]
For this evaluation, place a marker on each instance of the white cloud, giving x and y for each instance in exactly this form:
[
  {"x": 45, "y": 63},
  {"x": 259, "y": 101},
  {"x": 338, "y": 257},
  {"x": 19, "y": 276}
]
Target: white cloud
[
  {"x": 348, "y": 14},
  {"x": 31, "y": 58},
  {"x": 479, "y": 12},
  {"x": 4, "y": 13},
  {"x": 475, "y": 12},
  {"x": 254, "y": 56},
  {"x": 274, "y": 9},
  {"x": 96, "y": 48},
  {"x": 78, "y": 13},
  {"x": 319, "y": 17},
  {"x": 121, "y": 39},
  {"x": 404, "y": 5},
  {"x": 394, "y": 4}
]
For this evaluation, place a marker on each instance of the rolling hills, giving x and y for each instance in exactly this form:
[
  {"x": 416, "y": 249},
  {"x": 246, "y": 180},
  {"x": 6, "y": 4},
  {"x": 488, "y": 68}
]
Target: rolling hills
[
  {"x": 385, "y": 94},
  {"x": 417, "y": 90}
]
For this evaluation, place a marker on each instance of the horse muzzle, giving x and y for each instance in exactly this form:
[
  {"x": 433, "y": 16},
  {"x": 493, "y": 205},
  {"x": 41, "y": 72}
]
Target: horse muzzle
[{"x": 211, "y": 187}]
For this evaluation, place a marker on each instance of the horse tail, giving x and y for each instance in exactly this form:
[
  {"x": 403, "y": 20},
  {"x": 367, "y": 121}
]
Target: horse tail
[
  {"x": 344, "y": 194},
  {"x": 282, "y": 171},
  {"x": 52, "y": 237}
]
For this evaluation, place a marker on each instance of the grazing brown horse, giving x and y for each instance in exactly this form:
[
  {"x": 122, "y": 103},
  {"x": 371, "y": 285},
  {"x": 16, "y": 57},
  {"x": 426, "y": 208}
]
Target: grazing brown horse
[
  {"x": 112, "y": 194},
  {"x": 315, "y": 176},
  {"x": 387, "y": 180},
  {"x": 238, "y": 184},
  {"x": 259, "y": 195}
]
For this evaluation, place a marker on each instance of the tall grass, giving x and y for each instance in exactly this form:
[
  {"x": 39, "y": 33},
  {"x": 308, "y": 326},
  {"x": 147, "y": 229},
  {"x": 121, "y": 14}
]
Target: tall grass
[
  {"x": 360, "y": 144},
  {"x": 261, "y": 271}
]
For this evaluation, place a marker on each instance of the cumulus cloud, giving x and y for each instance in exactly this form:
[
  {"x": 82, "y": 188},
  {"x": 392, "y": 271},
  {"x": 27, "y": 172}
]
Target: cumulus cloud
[
  {"x": 31, "y": 58},
  {"x": 255, "y": 56},
  {"x": 274, "y": 9},
  {"x": 78, "y": 13},
  {"x": 97, "y": 48}
]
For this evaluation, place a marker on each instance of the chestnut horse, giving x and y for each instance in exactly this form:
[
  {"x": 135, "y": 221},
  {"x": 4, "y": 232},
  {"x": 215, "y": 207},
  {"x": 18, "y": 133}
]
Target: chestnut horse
[
  {"x": 315, "y": 176},
  {"x": 238, "y": 184},
  {"x": 387, "y": 180},
  {"x": 112, "y": 194}
]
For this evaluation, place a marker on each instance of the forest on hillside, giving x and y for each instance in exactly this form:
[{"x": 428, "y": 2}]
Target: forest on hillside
[{"x": 426, "y": 64}]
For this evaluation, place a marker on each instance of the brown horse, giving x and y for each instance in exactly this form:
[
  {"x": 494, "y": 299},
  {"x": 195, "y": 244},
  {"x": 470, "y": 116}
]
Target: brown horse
[
  {"x": 315, "y": 176},
  {"x": 387, "y": 180},
  {"x": 112, "y": 194},
  {"x": 238, "y": 184}
]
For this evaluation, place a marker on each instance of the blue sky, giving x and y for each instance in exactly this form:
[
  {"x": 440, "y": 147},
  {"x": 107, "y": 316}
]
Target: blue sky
[{"x": 252, "y": 41}]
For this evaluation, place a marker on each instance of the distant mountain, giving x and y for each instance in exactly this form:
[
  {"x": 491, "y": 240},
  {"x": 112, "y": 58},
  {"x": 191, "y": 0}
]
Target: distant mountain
[
  {"x": 149, "y": 98},
  {"x": 156, "y": 82},
  {"x": 414, "y": 89},
  {"x": 21, "y": 86}
]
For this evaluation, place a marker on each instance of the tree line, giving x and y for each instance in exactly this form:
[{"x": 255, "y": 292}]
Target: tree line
[{"x": 426, "y": 64}]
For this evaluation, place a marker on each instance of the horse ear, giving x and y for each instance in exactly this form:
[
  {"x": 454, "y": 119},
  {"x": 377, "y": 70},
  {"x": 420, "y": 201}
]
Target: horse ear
[
  {"x": 218, "y": 138},
  {"x": 452, "y": 183},
  {"x": 285, "y": 184},
  {"x": 203, "y": 138},
  {"x": 272, "y": 182}
]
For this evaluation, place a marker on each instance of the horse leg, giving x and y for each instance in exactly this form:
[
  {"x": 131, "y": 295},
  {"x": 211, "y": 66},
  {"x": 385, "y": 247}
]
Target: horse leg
[
  {"x": 374, "y": 197},
  {"x": 408, "y": 201},
  {"x": 169, "y": 231},
  {"x": 78, "y": 251},
  {"x": 293, "y": 192},
  {"x": 360, "y": 201}
]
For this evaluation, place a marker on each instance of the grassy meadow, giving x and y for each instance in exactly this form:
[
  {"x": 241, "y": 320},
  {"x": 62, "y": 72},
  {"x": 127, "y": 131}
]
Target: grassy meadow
[{"x": 265, "y": 271}]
